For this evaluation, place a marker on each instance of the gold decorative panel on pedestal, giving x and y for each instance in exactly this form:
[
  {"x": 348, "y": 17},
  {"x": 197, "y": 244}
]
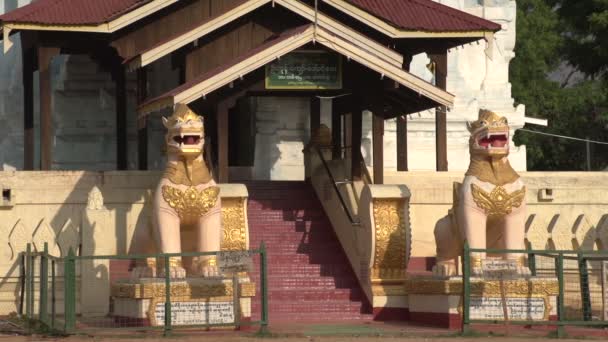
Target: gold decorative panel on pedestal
[
  {"x": 512, "y": 288},
  {"x": 234, "y": 224},
  {"x": 390, "y": 249}
]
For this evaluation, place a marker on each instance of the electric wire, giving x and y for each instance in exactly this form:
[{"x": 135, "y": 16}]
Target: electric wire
[{"x": 563, "y": 136}]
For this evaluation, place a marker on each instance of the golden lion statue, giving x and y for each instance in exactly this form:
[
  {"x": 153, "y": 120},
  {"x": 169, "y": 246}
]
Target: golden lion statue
[{"x": 186, "y": 204}]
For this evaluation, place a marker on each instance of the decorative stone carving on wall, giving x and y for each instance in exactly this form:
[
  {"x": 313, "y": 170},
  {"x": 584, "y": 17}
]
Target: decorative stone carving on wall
[
  {"x": 58, "y": 243},
  {"x": 69, "y": 237},
  {"x": 567, "y": 231},
  {"x": 95, "y": 199},
  {"x": 45, "y": 234}
]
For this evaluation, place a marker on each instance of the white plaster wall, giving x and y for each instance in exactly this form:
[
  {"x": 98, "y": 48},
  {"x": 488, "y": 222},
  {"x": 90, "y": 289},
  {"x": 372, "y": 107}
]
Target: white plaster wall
[
  {"x": 282, "y": 129},
  {"x": 476, "y": 80},
  {"x": 11, "y": 108}
]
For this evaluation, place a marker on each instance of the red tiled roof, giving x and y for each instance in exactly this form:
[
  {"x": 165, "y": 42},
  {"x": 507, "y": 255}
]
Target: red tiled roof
[
  {"x": 71, "y": 12},
  {"x": 424, "y": 15}
]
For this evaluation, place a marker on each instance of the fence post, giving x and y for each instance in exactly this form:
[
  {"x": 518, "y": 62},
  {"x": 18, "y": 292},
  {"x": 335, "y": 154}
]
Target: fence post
[
  {"x": 532, "y": 264},
  {"x": 466, "y": 288},
  {"x": 264, "y": 286},
  {"x": 44, "y": 272},
  {"x": 559, "y": 267},
  {"x": 584, "y": 284},
  {"x": 28, "y": 283},
  {"x": 70, "y": 291},
  {"x": 21, "y": 283},
  {"x": 32, "y": 295},
  {"x": 236, "y": 301},
  {"x": 167, "y": 330},
  {"x": 53, "y": 309}
]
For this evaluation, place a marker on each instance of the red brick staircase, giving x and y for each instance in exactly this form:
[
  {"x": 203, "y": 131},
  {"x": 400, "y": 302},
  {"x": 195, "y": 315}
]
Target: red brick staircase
[{"x": 309, "y": 276}]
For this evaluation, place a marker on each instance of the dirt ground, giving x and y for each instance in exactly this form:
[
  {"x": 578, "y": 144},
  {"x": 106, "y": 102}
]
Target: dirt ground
[
  {"x": 214, "y": 338},
  {"x": 320, "y": 332}
]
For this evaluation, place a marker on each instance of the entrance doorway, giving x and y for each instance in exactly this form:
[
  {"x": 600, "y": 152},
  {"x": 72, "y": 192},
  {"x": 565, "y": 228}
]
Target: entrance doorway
[{"x": 267, "y": 136}]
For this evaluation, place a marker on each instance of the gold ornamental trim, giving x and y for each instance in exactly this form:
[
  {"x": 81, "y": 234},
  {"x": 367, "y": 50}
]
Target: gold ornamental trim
[
  {"x": 390, "y": 235},
  {"x": 234, "y": 224},
  {"x": 498, "y": 203},
  {"x": 180, "y": 290},
  {"x": 178, "y": 173},
  {"x": 484, "y": 288},
  {"x": 173, "y": 262},
  {"x": 388, "y": 290},
  {"x": 191, "y": 203}
]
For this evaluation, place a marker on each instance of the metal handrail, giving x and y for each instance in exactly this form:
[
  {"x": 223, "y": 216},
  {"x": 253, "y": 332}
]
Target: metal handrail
[
  {"x": 334, "y": 184},
  {"x": 367, "y": 176}
]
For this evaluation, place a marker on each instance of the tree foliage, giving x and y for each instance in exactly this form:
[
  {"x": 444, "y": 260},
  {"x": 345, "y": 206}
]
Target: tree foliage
[{"x": 550, "y": 34}]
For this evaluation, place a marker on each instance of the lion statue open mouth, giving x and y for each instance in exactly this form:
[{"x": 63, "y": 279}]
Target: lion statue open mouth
[{"x": 489, "y": 208}]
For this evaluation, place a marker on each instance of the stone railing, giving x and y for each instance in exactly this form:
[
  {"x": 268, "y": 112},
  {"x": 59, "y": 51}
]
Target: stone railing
[
  {"x": 377, "y": 242},
  {"x": 94, "y": 213}
]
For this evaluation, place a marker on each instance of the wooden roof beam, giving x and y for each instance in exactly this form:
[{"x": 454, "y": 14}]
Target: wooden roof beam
[
  {"x": 391, "y": 71},
  {"x": 208, "y": 83},
  {"x": 200, "y": 31},
  {"x": 148, "y": 56}
]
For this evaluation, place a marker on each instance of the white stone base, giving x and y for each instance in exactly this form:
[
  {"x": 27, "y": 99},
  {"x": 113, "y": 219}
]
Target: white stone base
[{"x": 194, "y": 301}]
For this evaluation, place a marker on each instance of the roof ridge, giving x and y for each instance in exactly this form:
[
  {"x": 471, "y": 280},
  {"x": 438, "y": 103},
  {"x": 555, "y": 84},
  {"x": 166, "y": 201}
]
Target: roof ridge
[
  {"x": 70, "y": 12},
  {"x": 33, "y": 7},
  {"x": 420, "y": 15},
  {"x": 449, "y": 10},
  {"x": 119, "y": 12}
]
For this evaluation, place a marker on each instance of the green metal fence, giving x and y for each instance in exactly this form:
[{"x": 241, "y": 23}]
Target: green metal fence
[
  {"x": 569, "y": 288},
  {"x": 52, "y": 295}
]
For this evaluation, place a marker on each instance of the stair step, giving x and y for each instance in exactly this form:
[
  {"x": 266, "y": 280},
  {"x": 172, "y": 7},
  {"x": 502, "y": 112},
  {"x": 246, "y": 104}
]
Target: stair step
[
  {"x": 293, "y": 239},
  {"x": 309, "y": 276},
  {"x": 314, "y": 317},
  {"x": 303, "y": 249},
  {"x": 278, "y": 259},
  {"x": 302, "y": 307},
  {"x": 274, "y": 227},
  {"x": 322, "y": 306},
  {"x": 333, "y": 295},
  {"x": 311, "y": 269},
  {"x": 282, "y": 279}
]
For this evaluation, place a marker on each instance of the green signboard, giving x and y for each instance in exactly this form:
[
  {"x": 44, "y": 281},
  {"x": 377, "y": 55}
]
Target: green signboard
[{"x": 305, "y": 69}]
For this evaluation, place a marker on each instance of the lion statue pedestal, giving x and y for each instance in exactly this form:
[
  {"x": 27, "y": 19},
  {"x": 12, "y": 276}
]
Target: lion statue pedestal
[
  {"x": 438, "y": 302},
  {"x": 489, "y": 212},
  {"x": 194, "y": 301}
]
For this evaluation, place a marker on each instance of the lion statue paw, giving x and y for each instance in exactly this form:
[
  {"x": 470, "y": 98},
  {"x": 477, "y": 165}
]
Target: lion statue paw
[
  {"x": 206, "y": 267},
  {"x": 143, "y": 272},
  {"x": 445, "y": 269},
  {"x": 476, "y": 271},
  {"x": 524, "y": 271},
  {"x": 175, "y": 272}
]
